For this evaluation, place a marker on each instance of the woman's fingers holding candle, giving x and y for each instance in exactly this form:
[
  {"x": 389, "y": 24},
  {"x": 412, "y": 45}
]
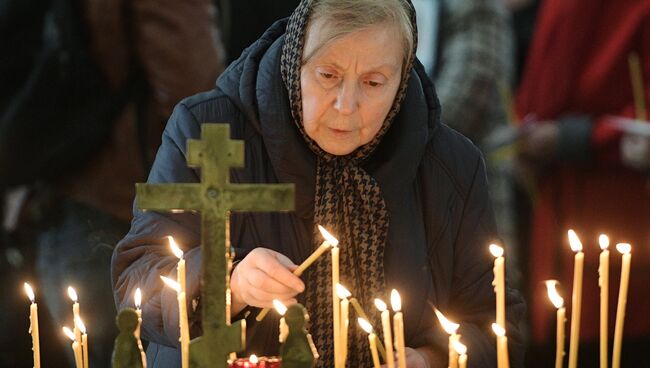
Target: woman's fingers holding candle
[{"x": 262, "y": 276}]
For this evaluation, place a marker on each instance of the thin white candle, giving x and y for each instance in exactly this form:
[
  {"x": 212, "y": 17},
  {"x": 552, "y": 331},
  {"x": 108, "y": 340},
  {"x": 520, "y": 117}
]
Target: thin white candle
[
  {"x": 499, "y": 283},
  {"x": 451, "y": 328},
  {"x": 284, "y": 329},
  {"x": 461, "y": 350},
  {"x": 336, "y": 308},
  {"x": 603, "y": 282},
  {"x": 503, "y": 361},
  {"x": 388, "y": 338},
  {"x": 182, "y": 320},
  {"x": 75, "y": 312},
  {"x": 329, "y": 242},
  {"x": 558, "y": 302},
  {"x": 33, "y": 326},
  {"x": 344, "y": 294},
  {"x": 76, "y": 348},
  {"x": 84, "y": 342},
  {"x": 398, "y": 325},
  {"x": 625, "y": 250},
  {"x": 576, "y": 299},
  {"x": 372, "y": 341}
]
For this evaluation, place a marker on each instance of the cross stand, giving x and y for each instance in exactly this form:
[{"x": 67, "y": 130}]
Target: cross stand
[{"x": 215, "y": 197}]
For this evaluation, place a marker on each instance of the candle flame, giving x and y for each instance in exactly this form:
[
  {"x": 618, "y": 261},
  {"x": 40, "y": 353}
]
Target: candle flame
[
  {"x": 555, "y": 297},
  {"x": 30, "y": 292},
  {"x": 330, "y": 239},
  {"x": 171, "y": 283},
  {"x": 68, "y": 332},
  {"x": 80, "y": 324},
  {"x": 447, "y": 325},
  {"x": 380, "y": 305},
  {"x": 177, "y": 251},
  {"x": 342, "y": 292},
  {"x": 365, "y": 325},
  {"x": 574, "y": 241},
  {"x": 137, "y": 298},
  {"x": 603, "y": 241},
  {"x": 498, "y": 330},
  {"x": 496, "y": 250},
  {"x": 72, "y": 294},
  {"x": 460, "y": 348},
  {"x": 253, "y": 359},
  {"x": 624, "y": 248},
  {"x": 279, "y": 307},
  {"x": 395, "y": 301}
]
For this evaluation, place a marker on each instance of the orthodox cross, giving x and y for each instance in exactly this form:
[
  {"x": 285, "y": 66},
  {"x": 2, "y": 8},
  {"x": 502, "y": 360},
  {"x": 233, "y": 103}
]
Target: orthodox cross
[{"x": 215, "y": 197}]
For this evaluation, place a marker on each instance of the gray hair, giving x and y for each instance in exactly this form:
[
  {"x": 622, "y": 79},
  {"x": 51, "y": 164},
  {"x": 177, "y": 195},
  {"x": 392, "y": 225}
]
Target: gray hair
[{"x": 347, "y": 16}]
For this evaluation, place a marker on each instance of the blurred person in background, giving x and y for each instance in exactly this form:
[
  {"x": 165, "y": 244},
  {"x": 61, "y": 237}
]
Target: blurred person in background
[
  {"x": 163, "y": 50},
  {"x": 589, "y": 174},
  {"x": 467, "y": 48}
]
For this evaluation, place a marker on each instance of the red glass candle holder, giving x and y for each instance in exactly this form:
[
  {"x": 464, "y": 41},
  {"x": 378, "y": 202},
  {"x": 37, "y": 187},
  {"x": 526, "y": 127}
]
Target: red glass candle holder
[{"x": 262, "y": 362}]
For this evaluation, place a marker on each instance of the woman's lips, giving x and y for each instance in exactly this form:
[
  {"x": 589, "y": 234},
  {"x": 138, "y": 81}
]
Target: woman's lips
[{"x": 339, "y": 132}]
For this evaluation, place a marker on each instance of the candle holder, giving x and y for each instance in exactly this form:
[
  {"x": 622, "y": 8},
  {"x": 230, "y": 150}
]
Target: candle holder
[{"x": 261, "y": 362}]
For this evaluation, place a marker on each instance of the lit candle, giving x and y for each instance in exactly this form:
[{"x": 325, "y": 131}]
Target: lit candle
[
  {"x": 558, "y": 302},
  {"x": 329, "y": 242},
  {"x": 84, "y": 342},
  {"x": 461, "y": 350},
  {"x": 75, "y": 312},
  {"x": 576, "y": 298},
  {"x": 372, "y": 340},
  {"x": 137, "y": 298},
  {"x": 76, "y": 349},
  {"x": 603, "y": 282},
  {"x": 284, "y": 329},
  {"x": 625, "y": 250},
  {"x": 451, "y": 328},
  {"x": 388, "y": 338},
  {"x": 180, "y": 268},
  {"x": 344, "y": 294},
  {"x": 182, "y": 318},
  {"x": 502, "y": 346},
  {"x": 398, "y": 325},
  {"x": 499, "y": 283},
  {"x": 33, "y": 326},
  {"x": 336, "y": 308}
]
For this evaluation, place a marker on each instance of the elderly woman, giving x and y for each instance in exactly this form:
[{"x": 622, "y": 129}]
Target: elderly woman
[{"x": 333, "y": 101}]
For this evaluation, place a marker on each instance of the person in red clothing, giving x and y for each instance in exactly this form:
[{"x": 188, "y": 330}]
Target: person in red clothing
[{"x": 576, "y": 81}]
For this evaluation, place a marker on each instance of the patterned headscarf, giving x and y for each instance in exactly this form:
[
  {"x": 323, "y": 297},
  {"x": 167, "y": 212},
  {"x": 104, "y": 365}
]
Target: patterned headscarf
[{"x": 349, "y": 203}]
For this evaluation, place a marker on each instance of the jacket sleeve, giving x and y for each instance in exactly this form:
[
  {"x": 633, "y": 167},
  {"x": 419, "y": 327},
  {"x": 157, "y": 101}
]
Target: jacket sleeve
[
  {"x": 144, "y": 254},
  {"x": 472, "y": 296}
]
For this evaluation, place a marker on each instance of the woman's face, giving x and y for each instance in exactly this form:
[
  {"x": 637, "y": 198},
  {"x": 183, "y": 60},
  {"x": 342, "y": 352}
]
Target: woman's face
[{"x": 349, "y": 84}]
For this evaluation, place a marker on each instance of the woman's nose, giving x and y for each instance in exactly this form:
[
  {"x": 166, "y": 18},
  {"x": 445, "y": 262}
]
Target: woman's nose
[{"x": 347, "y": 100}]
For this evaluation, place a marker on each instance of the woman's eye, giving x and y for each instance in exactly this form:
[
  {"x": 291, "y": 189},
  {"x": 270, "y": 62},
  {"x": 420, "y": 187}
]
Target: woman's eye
[
  {"x": 327, "y": 75},
  {"x": 373, "y": 83}
]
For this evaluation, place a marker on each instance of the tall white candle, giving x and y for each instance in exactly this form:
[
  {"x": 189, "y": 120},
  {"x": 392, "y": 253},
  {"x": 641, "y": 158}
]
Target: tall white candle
[
  {"x": 603, "y": 282},
  {"x": 372, "y": 341},
  {"x": 503, "y": 361},
  {"x": 344, "y": 294},
  {"x": 558, "y": 302},
  {"x": 388, "y": 338},
  {"x": 84, "y": 342},
  {"x": 625, "y": 250},
  {"x": 284, "y": 329},
  {"x": 451, "y": 328},
  {"x": 33, "y": 326},
  {"x": 576, "y": 298},
  {"x": 336, "y": 308},
  {"x": 182, "y": 320},
  {"x": 398, "y": 325},
  {"x": 499, "y": 283},
  {"x": 75, "y": 312},
  {"x": 76, "y": 348}
]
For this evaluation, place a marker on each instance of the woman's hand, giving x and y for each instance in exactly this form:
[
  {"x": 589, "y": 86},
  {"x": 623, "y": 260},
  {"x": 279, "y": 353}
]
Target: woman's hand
[
  {"x": 264, "y": 275},
  {"x": 414, "y": 359}
]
